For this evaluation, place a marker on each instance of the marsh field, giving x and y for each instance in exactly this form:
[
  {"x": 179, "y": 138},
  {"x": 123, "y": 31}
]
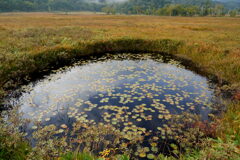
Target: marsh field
[{"x": 80, "y": 85}]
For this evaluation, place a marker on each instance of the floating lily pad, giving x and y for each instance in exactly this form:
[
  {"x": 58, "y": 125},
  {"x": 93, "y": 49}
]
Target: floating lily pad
[
  {"x": 142, "y": 155},
  {"x": 64, "y": 126},
  {"x": 150, "y": 156},
  {"x": 137, "y": 94}
]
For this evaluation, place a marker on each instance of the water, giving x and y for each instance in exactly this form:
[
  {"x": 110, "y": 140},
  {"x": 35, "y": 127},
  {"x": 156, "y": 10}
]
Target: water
[{"x": 137, "y": 94}]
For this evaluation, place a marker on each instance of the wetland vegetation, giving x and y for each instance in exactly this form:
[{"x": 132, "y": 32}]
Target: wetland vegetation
[
  {"x": 119, "y": 106},
  {"x": 136, "y": 94}
]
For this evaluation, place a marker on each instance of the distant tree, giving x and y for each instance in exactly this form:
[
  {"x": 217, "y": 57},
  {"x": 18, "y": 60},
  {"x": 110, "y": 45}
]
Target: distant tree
[
  {"x": 150, "y": 11},
  {"x": 137, "y": 9},
  {"x": 192, "y": 10},
  {"x": 49, "y": 2},
  {"x": 207, "y": 7},
  {"x": 233, "y": 13},
  {"x": 109, "y": 10},
  {"x": 149, "y": 7},
  {"x": 219, "y": 10}
]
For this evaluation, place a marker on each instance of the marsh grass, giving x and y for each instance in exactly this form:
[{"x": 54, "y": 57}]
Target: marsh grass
[
  {"x": 192, "y": 143},
  {"x": 12, "y": 144},
  {"x": 31, "y": 46},
  {"x": 229, "y": 124}
]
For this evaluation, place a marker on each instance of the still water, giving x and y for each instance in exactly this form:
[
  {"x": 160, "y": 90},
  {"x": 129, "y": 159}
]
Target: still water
[{"x": 137, "y": 94}]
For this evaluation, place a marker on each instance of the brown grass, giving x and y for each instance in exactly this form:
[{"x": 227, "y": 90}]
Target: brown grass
[
  {"x": 212, "y": 43},
  {"x": 215, "y": 40}
]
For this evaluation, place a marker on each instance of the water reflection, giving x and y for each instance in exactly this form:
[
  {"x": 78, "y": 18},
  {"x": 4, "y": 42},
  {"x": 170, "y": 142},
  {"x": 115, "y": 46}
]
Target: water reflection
[{"x": 137, "y": 94}]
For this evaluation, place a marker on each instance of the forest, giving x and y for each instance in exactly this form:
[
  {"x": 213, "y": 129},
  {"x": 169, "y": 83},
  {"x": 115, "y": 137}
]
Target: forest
[{"x": 148, "y": 7}]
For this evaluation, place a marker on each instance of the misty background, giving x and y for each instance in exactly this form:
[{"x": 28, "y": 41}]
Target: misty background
[{"x": 147, "y": 7}]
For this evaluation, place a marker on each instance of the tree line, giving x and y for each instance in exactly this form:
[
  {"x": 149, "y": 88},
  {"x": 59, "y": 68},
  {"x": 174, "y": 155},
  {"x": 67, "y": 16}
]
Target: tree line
[
  {"x": 172, "y": 8},
  {"x": 148, "y": 7},
  {"x": 49, "y": 5}
]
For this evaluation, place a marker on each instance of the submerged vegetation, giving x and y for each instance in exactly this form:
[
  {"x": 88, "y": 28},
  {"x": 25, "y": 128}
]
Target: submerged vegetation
[{"x": 35, "y": 46}]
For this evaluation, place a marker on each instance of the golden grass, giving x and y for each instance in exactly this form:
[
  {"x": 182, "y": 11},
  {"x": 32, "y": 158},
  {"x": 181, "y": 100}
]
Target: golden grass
[
  {"x": 212, "y": 43},
  {"x": 221, "y": 31},
  {"x": 215, "y": 40}
]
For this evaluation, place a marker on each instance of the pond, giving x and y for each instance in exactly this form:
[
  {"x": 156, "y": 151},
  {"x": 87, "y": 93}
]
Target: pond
[{"x": 138, "y": 94}]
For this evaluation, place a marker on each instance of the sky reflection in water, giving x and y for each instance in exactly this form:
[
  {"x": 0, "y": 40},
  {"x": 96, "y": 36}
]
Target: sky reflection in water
[{"x": 141, "y": 93}]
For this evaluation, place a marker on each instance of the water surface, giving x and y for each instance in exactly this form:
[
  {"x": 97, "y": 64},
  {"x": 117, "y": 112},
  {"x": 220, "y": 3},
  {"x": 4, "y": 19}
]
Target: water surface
[{"x": 137, "y": 94}]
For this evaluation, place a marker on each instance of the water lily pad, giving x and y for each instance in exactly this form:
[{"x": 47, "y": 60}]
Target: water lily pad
[
  {"x": 150, "y": 156},
  {"x": 136, "y": 97},
  {"x": 142, "y": 155},
  {"x": 64, "y": 126},
  {"x": 47, "y": 119},
  {"x": 34, "y": 127}
]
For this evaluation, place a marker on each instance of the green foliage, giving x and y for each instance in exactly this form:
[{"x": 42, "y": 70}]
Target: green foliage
[
  {"x": 48, "y": 5},
  {"x": 176, "y": 8},
  {"x": 77, "y": 156},
  {"x": 109, "y": 10},
  {"x": 233, "y": 13},
  {"x": 122, "y": 157},
  {"x": 216, "y": 150},
  {"x": 88, "y": 156},
  {"x": 17, "y": 151},
  {"x": 229, "y": 125},
  {"x": 12, "y": 144},
  {"x": 179, "y": 10},
  {"x": 153, "y": 7}
]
